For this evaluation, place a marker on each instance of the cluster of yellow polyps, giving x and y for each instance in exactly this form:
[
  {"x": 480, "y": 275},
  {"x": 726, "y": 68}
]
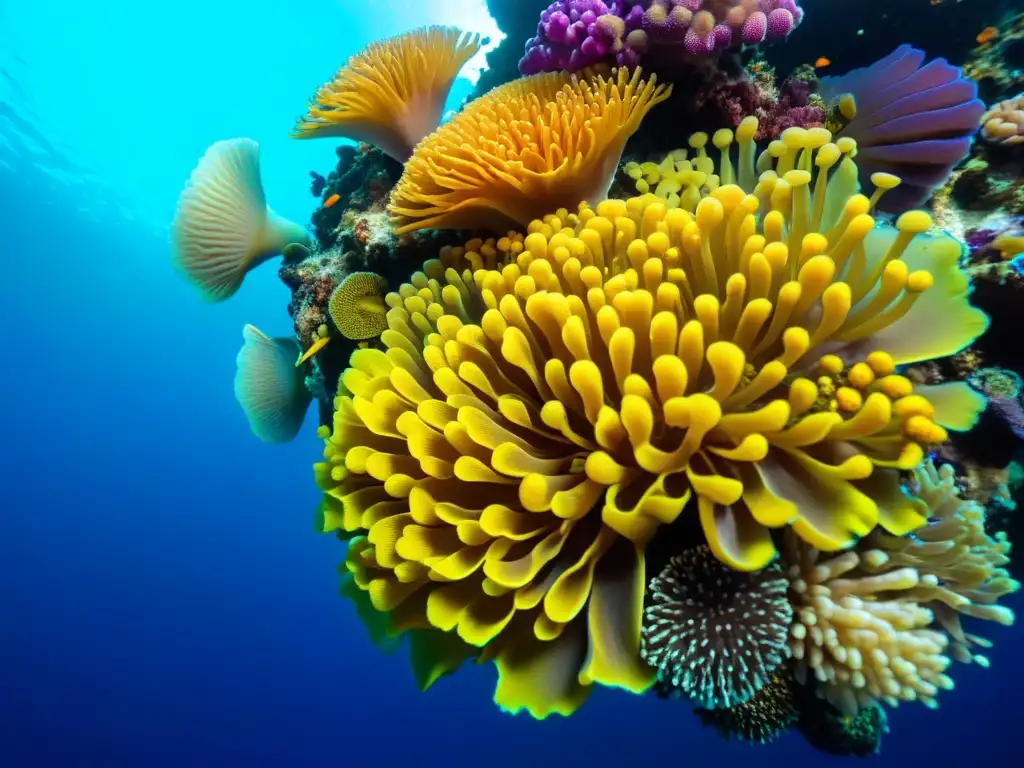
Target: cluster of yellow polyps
[{"x": 543, "y": 407}]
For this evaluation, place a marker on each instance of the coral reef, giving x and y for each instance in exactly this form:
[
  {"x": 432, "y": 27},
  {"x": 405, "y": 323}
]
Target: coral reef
[
  {"x": 1003, "y": 123},
  {"x": 830, "y": 731},
  {"x": 575, "y": 34},
  {"x": 997, "y": 65}
]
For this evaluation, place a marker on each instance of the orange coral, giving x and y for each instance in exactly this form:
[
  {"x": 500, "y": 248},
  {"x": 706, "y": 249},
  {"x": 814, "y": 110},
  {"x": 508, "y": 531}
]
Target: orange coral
[
  {"x": 393, "y": 92},
  {"x": 524, "y": 149}
]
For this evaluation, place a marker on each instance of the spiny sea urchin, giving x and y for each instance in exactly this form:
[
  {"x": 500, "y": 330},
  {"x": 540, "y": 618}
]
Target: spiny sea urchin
[{"x": 713, "y": 633}]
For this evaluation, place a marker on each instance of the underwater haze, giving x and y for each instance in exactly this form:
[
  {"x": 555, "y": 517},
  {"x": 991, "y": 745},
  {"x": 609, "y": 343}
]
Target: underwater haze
[{"x": 164, "y": 598}]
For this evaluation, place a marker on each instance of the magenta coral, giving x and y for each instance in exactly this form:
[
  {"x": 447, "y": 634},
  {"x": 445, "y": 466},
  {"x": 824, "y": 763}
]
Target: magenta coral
[{"x": 573, "y": 34}]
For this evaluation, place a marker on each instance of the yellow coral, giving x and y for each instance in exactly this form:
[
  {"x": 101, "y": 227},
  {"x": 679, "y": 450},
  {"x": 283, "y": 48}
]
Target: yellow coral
[
  {"x": 543, "y": 406},
  {"x": 392, "y": 93},
  {"x": 357, "y": 306},
  {"x": 522, "y": 150}
]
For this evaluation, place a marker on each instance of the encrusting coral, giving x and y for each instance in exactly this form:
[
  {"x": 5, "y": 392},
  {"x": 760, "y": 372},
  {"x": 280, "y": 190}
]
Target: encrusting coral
[
  {"x": 714, "y": 634},
  {"x": 761, "y": 719},
  {"x": 524, "y": 149},
  {"x": 392, "y": 93},
  {"x": 223, "y": 226},
  {"x": 542, "y": 407},
  {"x": 1003, "y": 123}
]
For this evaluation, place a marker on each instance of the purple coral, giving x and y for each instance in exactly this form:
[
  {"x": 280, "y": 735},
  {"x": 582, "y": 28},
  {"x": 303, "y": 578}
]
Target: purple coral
[
  {"x": 573, "y": 34},
  {"x": 911, "y": 120}
]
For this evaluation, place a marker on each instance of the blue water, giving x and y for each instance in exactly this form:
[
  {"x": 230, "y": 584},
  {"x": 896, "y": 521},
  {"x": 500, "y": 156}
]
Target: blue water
[{"x": 164, "y": 600}]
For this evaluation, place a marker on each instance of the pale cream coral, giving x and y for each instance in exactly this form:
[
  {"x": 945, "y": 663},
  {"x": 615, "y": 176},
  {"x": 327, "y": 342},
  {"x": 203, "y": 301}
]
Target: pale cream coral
[
  {"x": 860, "y": 636},
  {"x": 960, "y": 565},
  {"x": 1003, "y": 123}
]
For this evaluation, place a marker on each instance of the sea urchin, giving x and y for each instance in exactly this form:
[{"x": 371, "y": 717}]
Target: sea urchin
[{"x": 713, "y": 633}]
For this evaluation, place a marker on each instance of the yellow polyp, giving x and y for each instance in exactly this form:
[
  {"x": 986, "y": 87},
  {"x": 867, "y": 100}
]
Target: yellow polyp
[
  {"x": 895, "y": 387},
  {"x": 831, "y": 365},
  {"x": 847, "y": 106},
  {"x": 315, "y": 347},
  {"x": 848, "y": 399},
  {"x": 924, "y": 430},
  {"x": 881, "y": 363},
  {"x": 803, "y": 393},
  {"x": 861, "y": 376},
  {"x": 883, "y": 182}
]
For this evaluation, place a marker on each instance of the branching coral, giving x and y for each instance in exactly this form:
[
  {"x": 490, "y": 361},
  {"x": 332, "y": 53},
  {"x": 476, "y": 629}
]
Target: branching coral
[
  {"x": 573, "y": 34},
  {"x": 879, "y": 623},
  {"x": 959, "y": 564},
  {"x": 715, "y": 634},
  {"x": 862, "y": 638},
  {"x": 1003, "y": 123},
  {"x": 522, "y": 150},
  {"x": 223, "y": 226},
  {"x": 763, "y": 718},
  {"x": 392, "y": 93},
  {"x": 911, "y": 119},
  {"x": 537, "y": 415}
]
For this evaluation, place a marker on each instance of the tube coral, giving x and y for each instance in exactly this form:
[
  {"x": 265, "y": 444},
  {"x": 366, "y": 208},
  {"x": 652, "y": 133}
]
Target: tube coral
[
  {"x": 223, "y": 226},
  {"x": 392, "y": 93},
  {"x": 910, "y": 120},
  {"x": 539, "y": 413},
  {"x": 524, "y": 149},
  {"x": 715, "y": 634}
]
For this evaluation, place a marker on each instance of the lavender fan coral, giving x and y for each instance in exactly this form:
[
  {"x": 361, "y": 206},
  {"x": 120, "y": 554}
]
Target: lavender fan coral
[
  {"x": 573, "y": 34},
  {"x": 914, "y": 121}
]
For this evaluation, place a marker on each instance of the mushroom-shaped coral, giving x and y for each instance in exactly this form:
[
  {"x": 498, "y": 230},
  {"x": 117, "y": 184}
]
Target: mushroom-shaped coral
[
  {"x": 392, "y": 93},
  {"x": 357, "y": 306},
  {"x": 522, "y": 150},
  {"x": 771, "y": 712},
  {"x": 960, "y": 566},
  {"x": 223, "y": 226},
  {"x": 910, "y": 120},
  {"x": 269, "y": 386},
  {"x": 1003, "y": 123},
  {"x": 860, "y": 638},
  {"x": 537, "y": 417},
  {"x": 715, "y": 634}
]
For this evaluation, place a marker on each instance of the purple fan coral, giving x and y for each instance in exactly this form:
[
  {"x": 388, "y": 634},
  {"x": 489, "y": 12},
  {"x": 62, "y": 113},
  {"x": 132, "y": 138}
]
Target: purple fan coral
[
  {"x": 573, "y": 34},
  {"x": 914, "y": 121}
]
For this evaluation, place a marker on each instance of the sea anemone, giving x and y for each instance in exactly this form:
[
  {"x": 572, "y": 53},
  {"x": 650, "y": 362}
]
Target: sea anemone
[
  {"x": 269, "y": 386},
  {"x": 533, "y": 419},
  {"x": 357, "y": 306},
  {"x": 771, "y": 712},
  {"x": 523, "y": 150},
  {"x": 960, "y": 566},
  {"x": 392, "y": 93},
  {"x": 223, "y": 226},
  {"x": 715, "y": 634},
  {"x": 910, "y": 120}
]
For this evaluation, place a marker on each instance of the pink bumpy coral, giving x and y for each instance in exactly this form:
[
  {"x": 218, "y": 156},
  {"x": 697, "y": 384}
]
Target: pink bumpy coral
[{"x": 573, "y": 34}]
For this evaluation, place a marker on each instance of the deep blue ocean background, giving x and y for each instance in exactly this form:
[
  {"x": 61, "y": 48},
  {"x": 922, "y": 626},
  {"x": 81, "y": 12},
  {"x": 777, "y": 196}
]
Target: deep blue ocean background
[{"x": 164, "y": 600}]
